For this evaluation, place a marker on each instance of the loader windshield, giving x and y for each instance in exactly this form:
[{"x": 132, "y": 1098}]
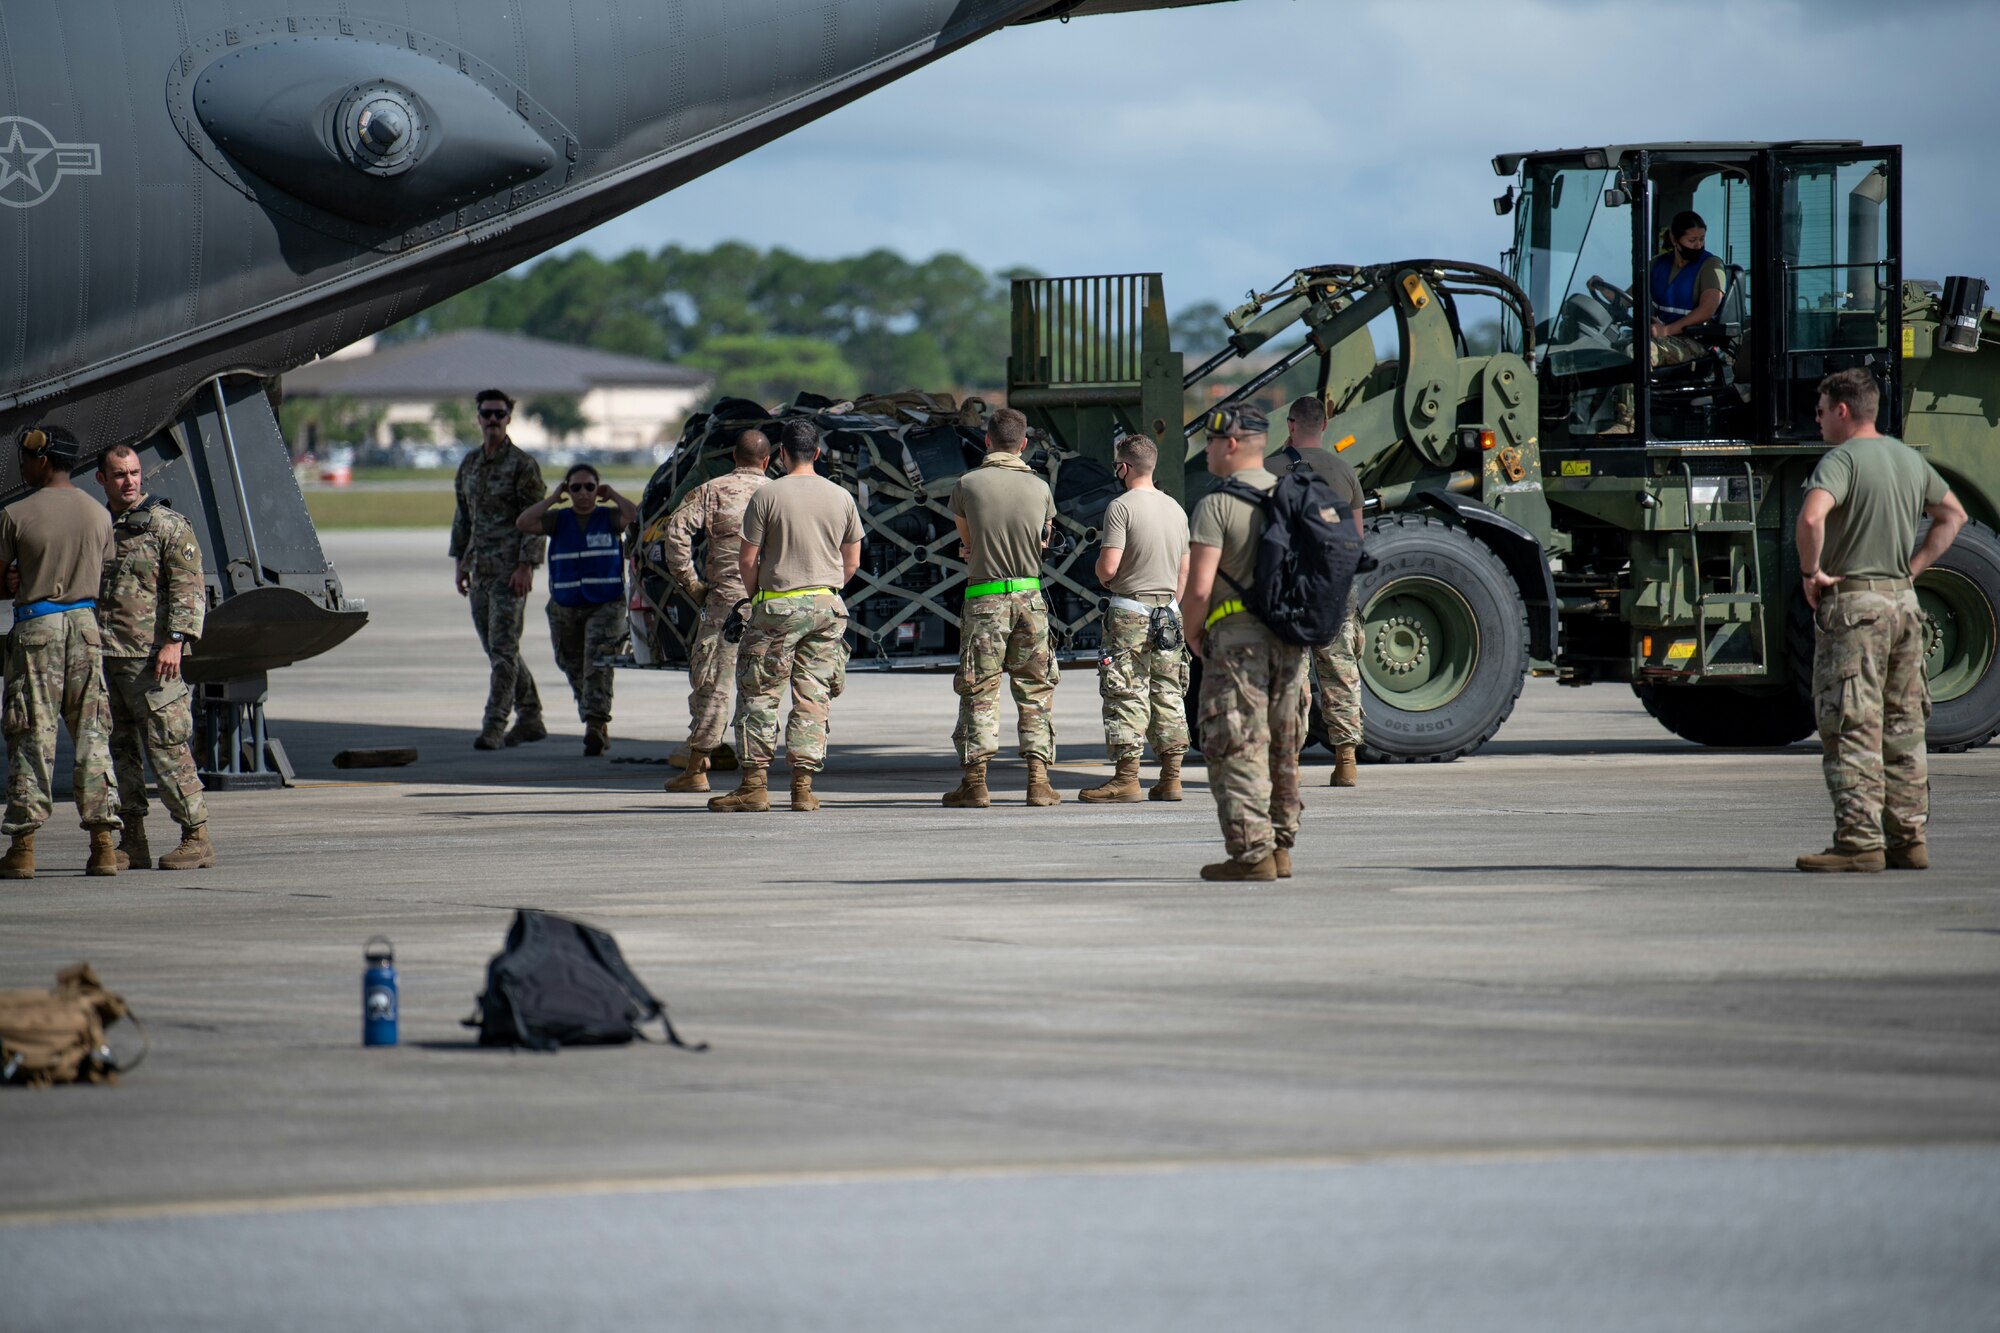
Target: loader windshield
[{"x": 1571, "y": 252}]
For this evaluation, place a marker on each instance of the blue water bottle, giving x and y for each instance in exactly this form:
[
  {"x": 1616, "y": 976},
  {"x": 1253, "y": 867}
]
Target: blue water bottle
[{"x": 378, "y": 993}]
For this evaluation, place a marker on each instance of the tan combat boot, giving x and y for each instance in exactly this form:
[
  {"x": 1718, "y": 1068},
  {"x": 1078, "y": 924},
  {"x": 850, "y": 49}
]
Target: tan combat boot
[
  {"x": 103, "y": 853},
  {"x": 696, "y": 777},
  {"x": 751, "y": 796},
  {"x": 1282, "y": 859},
  {"x": 526, "y": 731},
  {"x": 1262, "y": 872},
  {"x": 1837, "y": 859},
  {"x": 493, "y": 737},
  {"x": 196, "y": 852},
  {"x": 1124, "y": 785},
  {"x": 970, "y": 793},
  {"x": 1345, "y": 771},
  {"x": 19, "y": 862},
  {"x": 1168, "y": 788},
  {"x": 1909, "y": 856},
  {"x": 1039, "y": 790},
  {"x": 132, "y": 847},
  {"x": 802, "y": 791},
  {"x": 596, "y": 738}
]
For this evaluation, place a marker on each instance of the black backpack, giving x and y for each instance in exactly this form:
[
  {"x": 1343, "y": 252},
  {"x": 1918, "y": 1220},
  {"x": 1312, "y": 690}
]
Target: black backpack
[
  {"x": 1306, "y": 559},
  {"x": 561, "y": 983}
]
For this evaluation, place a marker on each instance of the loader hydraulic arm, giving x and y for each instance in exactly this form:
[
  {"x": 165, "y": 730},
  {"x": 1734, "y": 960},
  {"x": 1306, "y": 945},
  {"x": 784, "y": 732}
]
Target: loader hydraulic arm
[{"x": 1411, "y": 400}]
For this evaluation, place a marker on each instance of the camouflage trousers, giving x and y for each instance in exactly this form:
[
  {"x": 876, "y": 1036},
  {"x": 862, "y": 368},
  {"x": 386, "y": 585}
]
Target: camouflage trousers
[
  {"x": 496, "y": 615},
  {"x": 1337, "y": 682},
  {"x": 1007, "y": 632},
  {"x": 800, "y": 641},
  {"x": 582, "y": 634},
  {"x": 1672, "y": 350},
  {"x": 1252, "y": 719},
  {"x": 1144, "y": 689},
  {"x": 711, "y": 679},
  {"x": 55, "y": 672},
  {"x": 152, "y": 719},
  {"x": 1870, "y": 699}
]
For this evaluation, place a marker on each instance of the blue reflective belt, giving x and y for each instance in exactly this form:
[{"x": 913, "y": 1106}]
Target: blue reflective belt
[{"x": 36, "y": 610}]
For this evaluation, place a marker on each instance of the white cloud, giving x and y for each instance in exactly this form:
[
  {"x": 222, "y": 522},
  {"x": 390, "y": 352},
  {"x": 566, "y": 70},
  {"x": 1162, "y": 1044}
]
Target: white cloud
[{"x": 1224, "y": 146}]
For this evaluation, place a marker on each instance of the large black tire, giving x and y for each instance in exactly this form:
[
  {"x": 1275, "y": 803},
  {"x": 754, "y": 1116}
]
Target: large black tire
[
  {"x": 1961, "y": 594},
  {"x": 1962, "y": 648},
  {"x": 1733, "y": 716},
  {"x": 1444, "y": 641}
]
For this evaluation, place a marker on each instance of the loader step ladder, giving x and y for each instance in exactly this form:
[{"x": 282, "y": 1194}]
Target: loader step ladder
[{"x": 1746, "y": 575}]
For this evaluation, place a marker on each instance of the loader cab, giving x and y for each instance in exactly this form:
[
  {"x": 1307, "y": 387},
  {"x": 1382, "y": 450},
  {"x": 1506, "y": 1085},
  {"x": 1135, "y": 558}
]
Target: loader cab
[{"x": 1808, "y": 234}]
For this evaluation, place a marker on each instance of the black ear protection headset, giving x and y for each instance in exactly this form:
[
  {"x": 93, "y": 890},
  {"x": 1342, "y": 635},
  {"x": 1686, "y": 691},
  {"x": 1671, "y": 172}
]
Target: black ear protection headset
[
  {"x": 1238, "y": 420},
  {"x": 35, "y": 440}
]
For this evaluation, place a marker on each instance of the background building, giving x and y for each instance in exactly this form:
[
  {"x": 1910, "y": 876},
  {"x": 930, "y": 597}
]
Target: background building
[{"x": 420, "y": 393}]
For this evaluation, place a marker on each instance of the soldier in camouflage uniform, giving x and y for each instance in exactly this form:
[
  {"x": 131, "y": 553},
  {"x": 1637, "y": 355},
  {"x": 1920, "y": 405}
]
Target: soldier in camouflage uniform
[
  {"x": 61, "y": 539},
  {"x": 1337, "y": 665},
  {"x": 1004, "y": 513},
  {"x": 587, "y": 612},
  {"x": 801, "y": 543},
  {"x": 1253, "y": 684},
  {"x": 1142, "y": 562},
  {"x": 713, "y": 510},
  {"x": 149, "y": 609},
  {"x": 1856, "y": 533},
  {"x": 496, "y": 568}
]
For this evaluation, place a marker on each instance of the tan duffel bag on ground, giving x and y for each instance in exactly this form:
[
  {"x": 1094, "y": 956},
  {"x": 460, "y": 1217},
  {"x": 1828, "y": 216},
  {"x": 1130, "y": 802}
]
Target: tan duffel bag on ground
[{"x": 57, "y": 1035}]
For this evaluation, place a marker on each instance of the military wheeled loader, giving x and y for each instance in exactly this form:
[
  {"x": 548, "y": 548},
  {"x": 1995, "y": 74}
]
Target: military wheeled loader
[{"x": 1541, "y": 498}]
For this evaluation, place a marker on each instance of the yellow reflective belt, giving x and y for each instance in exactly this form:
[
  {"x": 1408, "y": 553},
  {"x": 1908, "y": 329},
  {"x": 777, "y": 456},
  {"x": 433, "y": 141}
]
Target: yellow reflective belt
[
  {"x": 763, "y": 597},
  {"x": 1229, "y": 608}
]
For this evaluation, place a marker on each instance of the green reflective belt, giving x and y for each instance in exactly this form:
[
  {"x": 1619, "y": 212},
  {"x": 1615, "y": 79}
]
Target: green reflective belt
[
  {"x": 1229, "y": 608},
  {"x": 998, "y": 586},
  {"x": 763, "y": 597}
]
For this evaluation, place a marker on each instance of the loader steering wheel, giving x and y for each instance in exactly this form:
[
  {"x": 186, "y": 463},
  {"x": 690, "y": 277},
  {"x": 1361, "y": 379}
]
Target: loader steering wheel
[{"x": 1615, "y": 300}]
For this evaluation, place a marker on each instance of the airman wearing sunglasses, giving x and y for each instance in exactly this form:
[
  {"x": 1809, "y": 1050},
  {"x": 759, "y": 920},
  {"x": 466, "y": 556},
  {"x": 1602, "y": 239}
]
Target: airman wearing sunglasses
[
  {"x": 496, "y": 568},
  {"x": 55, "y": 672},
  {"x": 587, "y": 611},
  {"x": 1253, "y": 684}
]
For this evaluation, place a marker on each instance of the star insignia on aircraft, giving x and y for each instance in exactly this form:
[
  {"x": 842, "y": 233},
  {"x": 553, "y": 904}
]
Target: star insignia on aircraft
[
  {"x": 27, "y": 177},
  {"x": 21, "y": 160}
]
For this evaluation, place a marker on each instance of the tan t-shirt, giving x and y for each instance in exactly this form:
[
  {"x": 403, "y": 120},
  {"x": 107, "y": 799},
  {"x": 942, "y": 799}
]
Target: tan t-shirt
[
  {"x": 62, "y": 538},
  {"x": 800, "y": 523},
  {"x": 1234, "y": 525},
  {"x": 1336, "y": 472},
  {"x": 1006, "y": 507},
  {"x": 1152, "y": 530}
]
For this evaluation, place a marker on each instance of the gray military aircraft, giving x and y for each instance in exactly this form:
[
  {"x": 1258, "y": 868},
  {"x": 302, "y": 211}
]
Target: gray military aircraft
[{"x": 196, "y": 197}]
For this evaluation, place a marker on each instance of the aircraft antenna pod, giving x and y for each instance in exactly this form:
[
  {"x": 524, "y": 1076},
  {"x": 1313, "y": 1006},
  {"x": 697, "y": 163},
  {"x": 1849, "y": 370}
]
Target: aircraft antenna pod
[{"x": 381, "y": 129}]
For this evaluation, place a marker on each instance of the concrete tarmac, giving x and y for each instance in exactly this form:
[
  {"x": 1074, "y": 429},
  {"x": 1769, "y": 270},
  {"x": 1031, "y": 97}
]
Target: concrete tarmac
[{"x": 1547, "y": 1036}]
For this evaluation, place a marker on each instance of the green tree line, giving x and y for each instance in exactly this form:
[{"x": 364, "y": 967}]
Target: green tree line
[{"x": 766, "y": 322}]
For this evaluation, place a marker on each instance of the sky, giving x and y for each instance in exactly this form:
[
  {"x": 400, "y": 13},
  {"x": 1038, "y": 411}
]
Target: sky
[{"x": 1226, "y": 146}]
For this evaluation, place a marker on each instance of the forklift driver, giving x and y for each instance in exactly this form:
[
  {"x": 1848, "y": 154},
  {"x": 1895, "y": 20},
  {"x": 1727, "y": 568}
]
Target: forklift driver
[{"x": 1687, "y": 283}]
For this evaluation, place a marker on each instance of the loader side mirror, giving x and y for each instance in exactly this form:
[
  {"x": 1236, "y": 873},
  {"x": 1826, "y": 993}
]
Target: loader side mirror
[{"x": 1617, "y": 197}]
